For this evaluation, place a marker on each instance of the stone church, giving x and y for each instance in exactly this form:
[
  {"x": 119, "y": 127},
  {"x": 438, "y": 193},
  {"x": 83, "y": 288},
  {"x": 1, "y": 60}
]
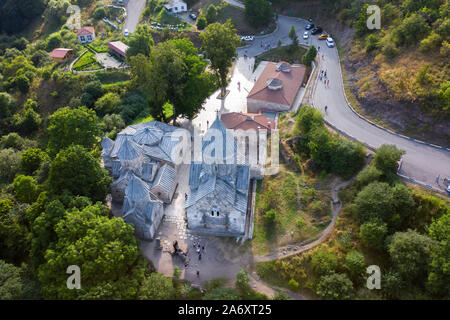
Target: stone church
[{"x": 219, "y": 186}]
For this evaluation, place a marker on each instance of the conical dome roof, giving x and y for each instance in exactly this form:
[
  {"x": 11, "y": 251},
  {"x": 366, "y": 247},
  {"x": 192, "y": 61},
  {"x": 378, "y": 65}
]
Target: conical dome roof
[
  {"x": 137, "y": 189},
  {"x": 128, "y": 151},
  {"x": 148, "y": 136}
]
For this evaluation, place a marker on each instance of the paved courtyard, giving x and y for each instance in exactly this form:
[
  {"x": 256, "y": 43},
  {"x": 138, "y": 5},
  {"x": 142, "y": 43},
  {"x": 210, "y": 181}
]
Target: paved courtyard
[{"x": 107, "y": 60}]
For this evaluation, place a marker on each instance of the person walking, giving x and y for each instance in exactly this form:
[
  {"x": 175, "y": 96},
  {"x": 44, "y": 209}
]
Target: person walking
[
  {"x": 198, "y": 274},
  {"x": 199, "y": 256},
  {"x": 326, "y": 108},
  {"x": 437, "y": 178}
]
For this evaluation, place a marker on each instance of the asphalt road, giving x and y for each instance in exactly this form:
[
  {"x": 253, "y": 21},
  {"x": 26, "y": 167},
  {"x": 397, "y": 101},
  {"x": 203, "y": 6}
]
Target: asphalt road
[
  {"x": 134, "y": 10},
  {"x": 421, "y": 162}
]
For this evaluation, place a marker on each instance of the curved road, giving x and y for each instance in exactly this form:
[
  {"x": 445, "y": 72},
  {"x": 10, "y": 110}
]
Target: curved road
[{"x": 421, "y": 162}]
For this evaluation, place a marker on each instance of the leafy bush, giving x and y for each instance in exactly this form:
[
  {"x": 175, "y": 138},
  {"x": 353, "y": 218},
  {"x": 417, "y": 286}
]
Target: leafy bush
[
  {"x": 334, "y": 287},
  {"x": 323, "y": 261},
  {"x": 9, "y": 164},
  {"x": 25, "y": 188},
  {"x": 432, "y": 42},
  {"x": 368, "y": 175},
  {"x": 386, "y": 158},
  {"x": 270, "y": 216},
  {"x": 309, "y": 56},
  {"x": 373, "y": 233},
  {"x": 201, "y": 23}
]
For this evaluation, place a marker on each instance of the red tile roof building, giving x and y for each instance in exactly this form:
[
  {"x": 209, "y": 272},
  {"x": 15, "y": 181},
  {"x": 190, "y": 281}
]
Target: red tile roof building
[
  {"x": 118, "y": 47},
  {"x": 247, "y": 121},
  {"x": 276, "y": 88},
  {"x": 86, "y": 34},
  {"x": 61, "y": 54}
]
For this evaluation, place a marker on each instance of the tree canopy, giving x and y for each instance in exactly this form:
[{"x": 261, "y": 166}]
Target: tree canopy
[
  {"x": 76, "y": 170},
  {"x": 72, "y": 126},
  {"x": 219, "y": 41}
]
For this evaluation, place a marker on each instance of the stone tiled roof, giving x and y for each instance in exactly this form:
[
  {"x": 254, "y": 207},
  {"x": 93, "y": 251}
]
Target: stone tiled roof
[{"x": 165, "y": 179}]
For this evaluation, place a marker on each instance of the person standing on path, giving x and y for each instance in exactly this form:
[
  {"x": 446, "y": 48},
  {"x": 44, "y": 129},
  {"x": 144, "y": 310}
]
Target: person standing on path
[
  {"x": 198, "y": 274},
  {"x": 437, "y": 179}
]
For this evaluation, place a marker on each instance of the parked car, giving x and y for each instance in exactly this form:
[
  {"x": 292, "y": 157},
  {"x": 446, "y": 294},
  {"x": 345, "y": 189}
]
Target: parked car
[
  {"x": 193, "y": 16},
  {"x": 305, "y": 35},
  {"x": 316, "y": 30},
  {"x": 126, "y": 33},
  {"x": 247, "y": 38},
  {"x": 323, "y": 36},
  {"x": 330, "y": 42},
  {"x": 448, "y": 190},
  {"x": 309, "y": 26}
]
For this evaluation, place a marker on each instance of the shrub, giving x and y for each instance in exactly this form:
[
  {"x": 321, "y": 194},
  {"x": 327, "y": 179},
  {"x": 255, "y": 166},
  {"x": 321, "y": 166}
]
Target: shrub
[
  {"x": 99, "y": 13},
  {"x": 323, "y": 261},
  {"x": 373, "y": 233},
  {"x": 293, "y": 285},
  {"x": 354, "y": 264},
  {"x": 9, "y": 164},
  {"x": 25, "y": 188},
  {"x": 368, "y": 175},
  {"x": 270, "y": 216},
  {"x": 432, "y": 42},
  {"x": 334, "y": 287},
  {"x": 372, "y": 42},
  {"x": 31, "y": 159},
  {"x": 386, "y": 158},
  {"x": 309, "y": 56},
  {"x": 201, "y": 23}
]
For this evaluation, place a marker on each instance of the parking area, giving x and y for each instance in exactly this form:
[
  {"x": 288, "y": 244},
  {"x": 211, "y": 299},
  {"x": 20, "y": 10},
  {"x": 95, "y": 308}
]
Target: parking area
[{"x": 107, "y": 60}]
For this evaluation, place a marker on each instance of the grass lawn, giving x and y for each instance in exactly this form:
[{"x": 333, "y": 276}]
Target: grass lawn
[
  {"x": 86, "y": 62},
  {"x": 98, "y": 46},
  {"x": 301, "y": 204},
  {"x": 144, "y": 119},
  {"x": 281, "y": 54}
]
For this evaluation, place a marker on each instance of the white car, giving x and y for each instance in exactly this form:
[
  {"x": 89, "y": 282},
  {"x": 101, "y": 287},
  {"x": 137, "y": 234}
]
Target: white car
[
  {"x": 305, "y": 35},
  {"x": 126, "y": 33},
  {"x": 330, "y": 42}
]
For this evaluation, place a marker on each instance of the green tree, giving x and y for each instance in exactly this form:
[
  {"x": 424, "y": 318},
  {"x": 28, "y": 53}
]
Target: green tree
[
  {"x": 334, "y": 287},
  {"x": 53, "y": 41},
  {"x": 27, "y": 121},
  {"x": 201, "y": 23},
  {"x": 270, "y": 216},
  {"x": 219, "y": 41},
  {"x": 9, "y": 164},
  {"x": 293, "y": 37},
  {"x": 10, "y": 282},
  {"x": 355, "y": 265},
  {"x": 7, "y": 105},
  {"x": 439, "y": 275},
  {"x": 373, "y": 233},
  {"x": 410, "y": 254},
  {"x": 281, "y": 295},
  {"x": 72, "y": 126},
  {"x": 25, "y": 188},
  {"x": 108, "y": 104},
  {"x": 347, "y": 157},
  {"x": 76, "y": 170},
  {"x": 375, "y": 201},
  {"x": 411, "y": 30},
  {"x": 323, "y": 261},
  {"x": 307, "y": 119},
  {"x": 242, "y": 280},
  {"x": 386, "y": 158},
  {"x": 99, "y": 13},
  {"x": 140, "y": 42},
  {"x": 309, "y": 56},
  {"x": 211, "y": 14},
  {"x": 258, "y": 12},
  {"x": 157, "y": 287},
  {"x": 391, "y": 284},
  {"x": 105, "y": 250},
  {"x": 175, "y": 73},
  {"x": 31, "y": 159},
  {"x": 368, "y": 175},
  {"x": 221, "y": 294}
]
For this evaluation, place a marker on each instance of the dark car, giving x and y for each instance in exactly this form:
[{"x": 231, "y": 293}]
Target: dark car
[
  {"x": 309, "y": 26},
  {"x": 316, "y": 30}
]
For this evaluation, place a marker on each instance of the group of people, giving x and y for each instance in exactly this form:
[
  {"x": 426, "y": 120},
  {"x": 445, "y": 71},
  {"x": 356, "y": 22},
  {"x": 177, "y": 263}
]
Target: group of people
[
  {"x": 199, "y": 248},
  {"x": 323, "y": 77}
]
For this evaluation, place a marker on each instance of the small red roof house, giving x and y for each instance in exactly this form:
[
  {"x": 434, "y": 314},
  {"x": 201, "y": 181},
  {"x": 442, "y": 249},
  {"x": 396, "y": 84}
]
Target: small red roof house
[
  {"x": 86, "y": 34},
  {"x": 276, "y": 88},
  {"x": 118, "y": 47},
  {"x": 61, "y": 54},
  {"x": 247, "y": 121}
]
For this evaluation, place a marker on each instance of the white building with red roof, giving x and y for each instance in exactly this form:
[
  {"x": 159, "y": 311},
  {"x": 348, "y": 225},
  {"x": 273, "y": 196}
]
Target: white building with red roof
[
  {"x": 276, "y": 88},
  {"x": 86, "y": 34}
]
